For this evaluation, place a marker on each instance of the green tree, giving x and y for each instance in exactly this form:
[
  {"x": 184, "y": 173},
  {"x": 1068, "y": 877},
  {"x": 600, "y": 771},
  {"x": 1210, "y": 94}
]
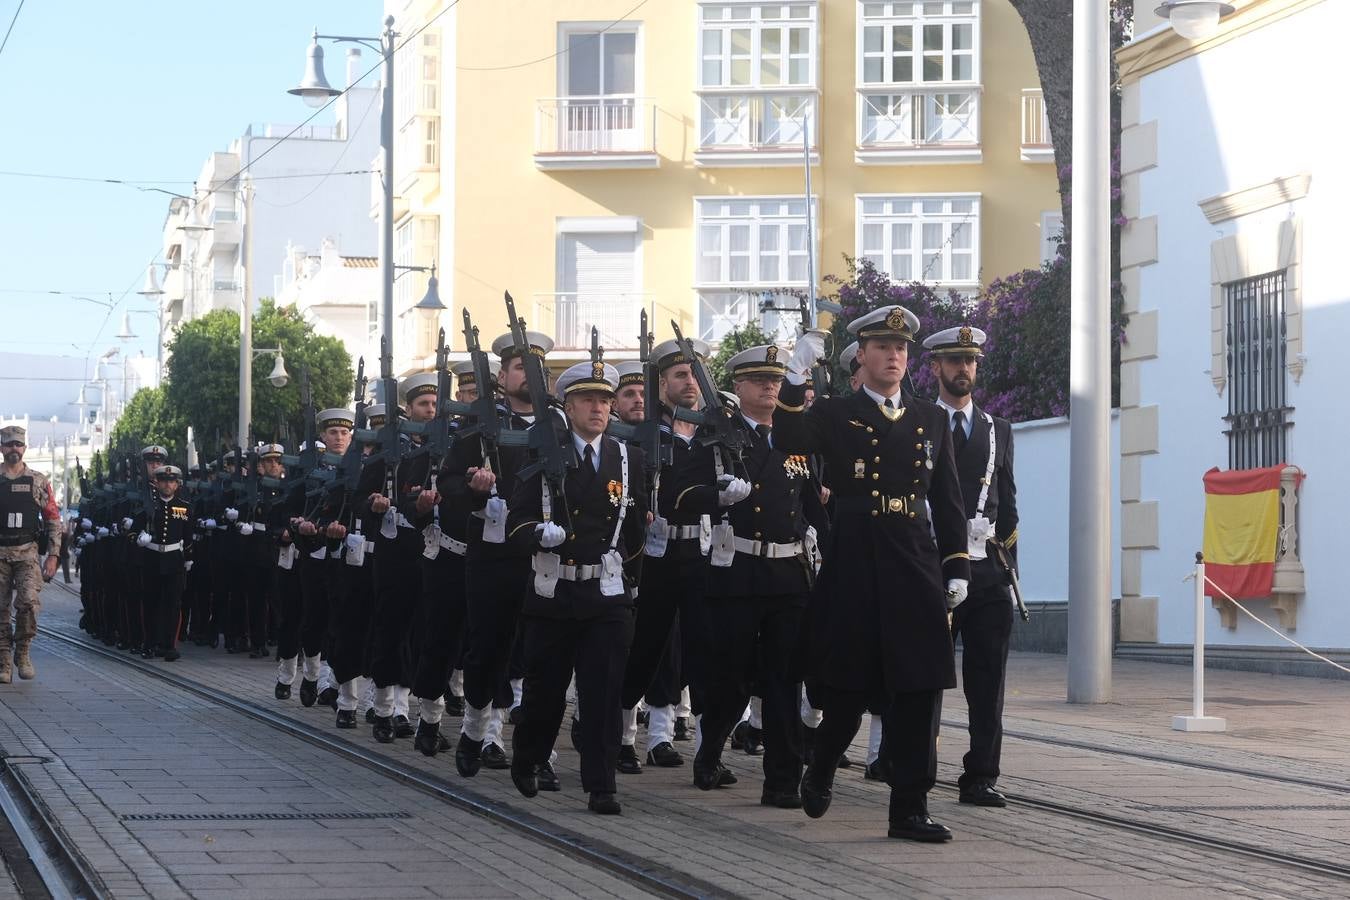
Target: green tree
[
  {"x": 738, "y": 339},
  {"x": 150, "y": 419},
  {"x": 202, "y": 374}
]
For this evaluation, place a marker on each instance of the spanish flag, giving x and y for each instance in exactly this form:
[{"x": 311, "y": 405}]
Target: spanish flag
[{"x": 1242, "y": 528}]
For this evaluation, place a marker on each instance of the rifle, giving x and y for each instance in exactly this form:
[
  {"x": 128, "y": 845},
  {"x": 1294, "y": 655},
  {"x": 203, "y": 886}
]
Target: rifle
[
  {"x": 549, "y": 455},
  {"x": 482, "y": 412},
  {"x": 348, "y": 473},
  {"x": 438, "y": 444},
  {"x": 656, "y": 452},
  {"x": 720, "y": 419}
]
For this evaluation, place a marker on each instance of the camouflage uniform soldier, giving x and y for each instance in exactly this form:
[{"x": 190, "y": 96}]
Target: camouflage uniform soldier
[{"x": 27, "y": 503}]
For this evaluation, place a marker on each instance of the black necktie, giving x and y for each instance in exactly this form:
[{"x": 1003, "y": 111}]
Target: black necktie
[
  {"x": 587, "y": 465},
  {"x": 763, "y": 431},
  {"x": 959, "y": 431}
]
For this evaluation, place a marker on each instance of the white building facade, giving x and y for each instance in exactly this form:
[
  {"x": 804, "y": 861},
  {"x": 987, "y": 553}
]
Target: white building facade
[
  {"x": 1234, "y": 279},
  {"x": 337, "y": 294},
  {"x": 302, "y": 191}
]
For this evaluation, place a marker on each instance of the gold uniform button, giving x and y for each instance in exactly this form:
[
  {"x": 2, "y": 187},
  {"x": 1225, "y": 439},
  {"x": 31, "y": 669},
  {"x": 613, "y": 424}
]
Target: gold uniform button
[
  {"x": 894, "y": 504},
  {"x": 875, "y": 513},
  {"x": 874, "y": 442},
  {"x": 876, "y": 493},
  {"x": 876, "y": 459},
  {"x": 876, "y": 475},
  {"x": 869, "y": 429},
  {"x": 758, "y": 535},
  {"x": 911, "y": 496},
  {"x": 919, "y": 430},
  {"x": 571, "y": 562},
  {"x": 912, "y": 515},
  {"x": 918, "y": 446},
  {"x": 756, "y": 487},
  {"x": 917, "y": 463},
  {"x": 756, "y": 509},
  {"x": 571, "y": 537}
]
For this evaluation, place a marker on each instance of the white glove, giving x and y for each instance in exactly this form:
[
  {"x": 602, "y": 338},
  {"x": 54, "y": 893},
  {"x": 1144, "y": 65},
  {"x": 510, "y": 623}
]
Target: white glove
[
  {"x": 551, "y": 534},
  {"x": 126, "y": 524},
  {"x": 736, "y": 490},
  {"x": 187, "y": 566},
  {"x": 86, "y": 524},
  {"x": 246, "y": 529},
  {"x": 103, "y": 532},
  {"x": 957, "y": 588},
  {"x": 810, "y": 350},
  {"x": 142, "y": 540},
  {"x": 210, "y": 523},
  {"x": 232, "y": 514}
]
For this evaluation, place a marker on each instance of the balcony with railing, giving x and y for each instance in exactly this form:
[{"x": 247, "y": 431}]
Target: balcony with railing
[
  {"x": 569, "y": 317},
  {"x": 723, "y": 310},
  {"x": 930, "y": 124},
  {"x": 755, "y": 129},
  {"x": 609, "y": 132},
  {"x": 1036, "y": 145}
]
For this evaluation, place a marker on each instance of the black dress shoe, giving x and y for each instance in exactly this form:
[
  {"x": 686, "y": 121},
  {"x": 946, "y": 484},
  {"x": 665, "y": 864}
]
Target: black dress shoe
[
  {"x": 495, "y": 757},
  {"x": 816, "y": 794},
  {"x": 328, "y": 697},
  {"x": 468, "y": 756},
  {"x": 309, "y": 692},
  {"x": 403, "y": 728},
  {"x": 346, "y": 718},
  {"x": 283, "y": 691},
  {"x": 683, "y": 730},
  {"x": 383, "y": 729},
  {"x": 427, "y": 739},
  {"x": 525, "y": 780},
  {"x": 443, "y": 744},
  {"x": 604, "y": 804},
  {"x": 370, "y": 716},
  {"x": 547, "y": 778},
  {"x": 877, "y": 771},
  {"x": 628, "y": 762},
  {"x": 148, "y": 653},
  {"x": 576, "y": 734},
  {"x": 754, "y": 741},
  {"x": 780, "y": 799},
  {"x": 516, "y": 715},
  {"x": 664, "y": 755},
  {"x": 172, "y": 655},
  {"x": 738, "y": 735},
  {"x": 707, "y": 779},
  {"x": 982, "y": 794},
  {"x": 920, "y": 828},
  {"x": 845, "y": 762},
  {"x": 454, "y": 705}
]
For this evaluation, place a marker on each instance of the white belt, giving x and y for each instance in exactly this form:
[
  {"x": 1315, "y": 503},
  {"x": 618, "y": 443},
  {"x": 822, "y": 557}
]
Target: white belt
[
  {"x": 403, "y": 522},
  {"x": 321, "y": 553},
  {"x": 222, "y": 528},
  {"x": 459, "y": 548},
  {"x": 259, "y": 526},
  {"x": 165, "y": 548},
  {"x": 683, "y": 532},
  {"x": 370, "y": 547},
  {"x": 767, "y": 550},
  {"x": 579, "y": 573}
]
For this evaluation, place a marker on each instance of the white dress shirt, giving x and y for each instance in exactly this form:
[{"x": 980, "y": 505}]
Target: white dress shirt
[{"x": 581, "y": 446}]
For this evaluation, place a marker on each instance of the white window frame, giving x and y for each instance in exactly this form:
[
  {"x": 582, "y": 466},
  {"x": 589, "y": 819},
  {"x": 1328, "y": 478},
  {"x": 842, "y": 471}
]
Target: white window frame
[
  {"x": 567, "y": 29},
  {"x": 892, "y": 213},
  {"x": 932, "y": 100},
  {"x": 763, "y": 121},
  {"x": 1052, "y": 223}
]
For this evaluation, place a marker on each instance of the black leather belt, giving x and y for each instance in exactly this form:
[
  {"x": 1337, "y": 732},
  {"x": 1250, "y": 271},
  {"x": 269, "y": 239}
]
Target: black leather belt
[{"x": 906, "y": 506}]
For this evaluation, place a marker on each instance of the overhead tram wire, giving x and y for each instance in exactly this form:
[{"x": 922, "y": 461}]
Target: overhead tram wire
[
  {"x": 562, "y": 52},
  {"x": 10, "y": 29}
]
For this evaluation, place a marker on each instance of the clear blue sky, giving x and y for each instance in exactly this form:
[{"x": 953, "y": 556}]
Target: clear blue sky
[{"x": 139, "y": 91}]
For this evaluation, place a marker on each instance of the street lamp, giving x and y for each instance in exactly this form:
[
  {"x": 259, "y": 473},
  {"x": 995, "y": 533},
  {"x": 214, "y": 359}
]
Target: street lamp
[
  {"x": 315, "y": 90},
  {"x": 1194, "y": 20}
]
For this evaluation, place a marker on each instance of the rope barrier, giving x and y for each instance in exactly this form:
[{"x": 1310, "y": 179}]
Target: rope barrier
[{"x": 1284, "y": 637}]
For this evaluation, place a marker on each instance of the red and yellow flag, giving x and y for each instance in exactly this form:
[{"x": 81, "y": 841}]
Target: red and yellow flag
[{"x": 1242, "y": 528}]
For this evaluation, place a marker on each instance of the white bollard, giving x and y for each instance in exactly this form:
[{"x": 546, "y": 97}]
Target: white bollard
[{"x": 1199, "y": 721}]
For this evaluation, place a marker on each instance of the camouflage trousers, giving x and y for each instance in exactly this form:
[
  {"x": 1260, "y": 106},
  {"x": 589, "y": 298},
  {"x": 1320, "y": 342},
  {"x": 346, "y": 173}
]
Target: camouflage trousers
[{"x": 20, "y": 582}]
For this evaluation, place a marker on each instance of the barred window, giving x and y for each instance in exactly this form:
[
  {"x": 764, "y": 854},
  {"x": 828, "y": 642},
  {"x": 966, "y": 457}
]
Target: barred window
[{"x": 1258, "y": 415}]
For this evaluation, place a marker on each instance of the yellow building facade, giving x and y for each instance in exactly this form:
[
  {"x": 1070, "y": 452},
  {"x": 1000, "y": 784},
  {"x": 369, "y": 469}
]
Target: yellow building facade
[{"x": 595, "y": 159}]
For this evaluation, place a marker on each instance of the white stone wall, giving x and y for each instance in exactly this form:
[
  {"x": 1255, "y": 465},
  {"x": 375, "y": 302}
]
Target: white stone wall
[{"x": 1249, "y": 113}]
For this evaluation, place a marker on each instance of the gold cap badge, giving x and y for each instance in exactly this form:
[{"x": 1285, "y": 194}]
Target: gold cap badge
[{"x": 771, "y": 355}]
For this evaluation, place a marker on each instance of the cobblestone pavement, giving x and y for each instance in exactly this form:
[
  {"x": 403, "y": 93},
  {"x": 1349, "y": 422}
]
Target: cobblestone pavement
[{"x": 125, "y": 744}]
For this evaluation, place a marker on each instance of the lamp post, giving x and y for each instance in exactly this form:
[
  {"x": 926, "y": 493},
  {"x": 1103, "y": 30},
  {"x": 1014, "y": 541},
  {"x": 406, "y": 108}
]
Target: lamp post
[
  {"x": 1090, "y": 630},
  {"x": 315, "y": 90},
  {"x": 152, "y": 291}
]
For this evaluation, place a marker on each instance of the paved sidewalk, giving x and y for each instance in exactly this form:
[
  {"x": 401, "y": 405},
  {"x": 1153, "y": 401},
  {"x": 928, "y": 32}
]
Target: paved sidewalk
[{"x": 1289, "y": 726}]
